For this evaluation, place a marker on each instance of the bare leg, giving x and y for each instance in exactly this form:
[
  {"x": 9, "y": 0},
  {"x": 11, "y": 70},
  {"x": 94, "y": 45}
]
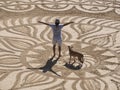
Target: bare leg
[
  {"x": 59, "y": 48},
  {"x": 54, "y": 50}
]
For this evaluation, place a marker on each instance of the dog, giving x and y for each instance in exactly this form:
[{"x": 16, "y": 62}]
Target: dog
[{"x": 75, "y": 54}]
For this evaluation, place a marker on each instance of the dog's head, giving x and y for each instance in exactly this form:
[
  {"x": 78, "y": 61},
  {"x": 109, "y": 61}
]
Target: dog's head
[{"x": 70, "y": 46}]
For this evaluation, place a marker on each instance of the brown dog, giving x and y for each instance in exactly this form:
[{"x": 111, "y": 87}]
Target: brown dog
[{"x": 75, "y": 54}]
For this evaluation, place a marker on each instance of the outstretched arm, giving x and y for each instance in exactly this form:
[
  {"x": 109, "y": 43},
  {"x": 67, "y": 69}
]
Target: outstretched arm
[
  {"x": 44, "y": 23},
  {"x": 67, "y": 23}
]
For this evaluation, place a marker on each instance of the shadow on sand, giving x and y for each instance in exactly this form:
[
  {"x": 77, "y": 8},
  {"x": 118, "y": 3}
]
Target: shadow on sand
[
  {"x": 48, "y": 66},
  {"x": 72, "y": 66}
]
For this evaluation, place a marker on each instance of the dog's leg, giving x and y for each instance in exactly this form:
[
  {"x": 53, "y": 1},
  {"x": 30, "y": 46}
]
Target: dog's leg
[
  {"x": 79, "y": 58},
  {"x": 74, "y": 59},
  {"x": 82, "y": 59},
  {"x": 70, "y": 59}
]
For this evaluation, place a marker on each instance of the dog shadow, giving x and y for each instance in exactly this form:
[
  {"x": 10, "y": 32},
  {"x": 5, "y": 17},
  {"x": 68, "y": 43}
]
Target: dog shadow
[
  {"x": 48, "y": 66},
  {"x": 72, "y": 66}
]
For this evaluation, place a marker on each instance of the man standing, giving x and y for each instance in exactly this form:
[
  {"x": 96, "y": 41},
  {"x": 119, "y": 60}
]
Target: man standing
[{"x": 57, "y": 37}]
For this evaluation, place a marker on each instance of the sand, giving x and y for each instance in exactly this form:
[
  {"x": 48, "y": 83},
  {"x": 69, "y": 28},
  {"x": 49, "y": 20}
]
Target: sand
[{"x": 26, "y": 45}]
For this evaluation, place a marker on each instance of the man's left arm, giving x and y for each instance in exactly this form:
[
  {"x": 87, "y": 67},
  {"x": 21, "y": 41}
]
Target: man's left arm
[{"x": 67, "y": 23}]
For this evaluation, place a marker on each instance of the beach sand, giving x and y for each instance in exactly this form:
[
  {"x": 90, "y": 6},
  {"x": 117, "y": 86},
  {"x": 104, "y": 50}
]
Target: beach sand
[{"x": 26, "y": 45}]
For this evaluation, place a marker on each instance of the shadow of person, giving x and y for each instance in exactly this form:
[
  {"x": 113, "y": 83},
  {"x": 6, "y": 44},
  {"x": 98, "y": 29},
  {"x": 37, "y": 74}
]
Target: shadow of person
[
  {"x": 72, "y": 66},
  {"x": 48, "y": 66}
]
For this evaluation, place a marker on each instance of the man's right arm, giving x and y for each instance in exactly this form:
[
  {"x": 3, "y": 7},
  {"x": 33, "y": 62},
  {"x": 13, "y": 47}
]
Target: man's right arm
[{"x": 44, "y": 23}]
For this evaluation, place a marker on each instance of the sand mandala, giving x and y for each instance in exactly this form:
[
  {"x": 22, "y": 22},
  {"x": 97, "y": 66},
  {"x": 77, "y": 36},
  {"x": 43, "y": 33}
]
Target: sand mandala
[
  {"x": 26, "y": 46},
  {"x": 96, "y": 60},
  {"x": 89, "y": 6}
]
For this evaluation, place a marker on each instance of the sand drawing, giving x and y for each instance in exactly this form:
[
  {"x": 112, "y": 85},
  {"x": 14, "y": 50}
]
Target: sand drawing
[{"x": 26, "y": 45}]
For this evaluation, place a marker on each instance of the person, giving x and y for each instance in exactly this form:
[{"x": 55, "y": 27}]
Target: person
[{"x": 57, "y": 37}]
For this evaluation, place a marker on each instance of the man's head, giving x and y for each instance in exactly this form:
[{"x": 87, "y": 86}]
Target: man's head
[{"x": 57, "y": 22}]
